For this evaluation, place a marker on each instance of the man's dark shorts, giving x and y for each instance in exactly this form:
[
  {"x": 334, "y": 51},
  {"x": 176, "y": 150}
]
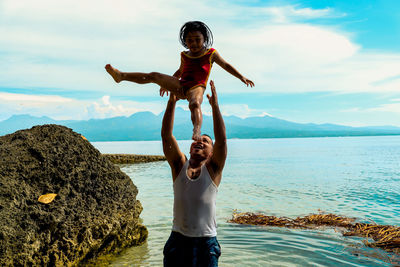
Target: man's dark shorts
[{"x": 186, "y": 251}]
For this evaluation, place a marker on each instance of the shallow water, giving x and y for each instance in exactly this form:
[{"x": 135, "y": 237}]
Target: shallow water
[{"x": 352, "y": 176}]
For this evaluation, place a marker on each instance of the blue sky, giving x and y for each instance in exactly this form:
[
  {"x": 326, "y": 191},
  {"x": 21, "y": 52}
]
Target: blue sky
[{"x": 312, "y": 61}]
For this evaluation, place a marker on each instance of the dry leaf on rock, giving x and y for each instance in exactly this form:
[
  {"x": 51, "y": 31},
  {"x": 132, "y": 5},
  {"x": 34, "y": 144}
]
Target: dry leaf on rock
[{"x": 47, "y": 198}]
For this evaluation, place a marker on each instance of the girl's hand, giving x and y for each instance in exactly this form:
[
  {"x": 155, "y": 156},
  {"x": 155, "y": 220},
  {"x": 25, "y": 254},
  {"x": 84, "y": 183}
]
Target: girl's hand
[
  {"x": 213, "y": 99},
  {"x": 163, "y": 91},
  {"x": 247, "y": 82}
]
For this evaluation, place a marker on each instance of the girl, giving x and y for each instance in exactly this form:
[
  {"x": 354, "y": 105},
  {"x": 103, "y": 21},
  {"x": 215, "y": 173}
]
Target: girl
[{"x": 189, "y": 81}]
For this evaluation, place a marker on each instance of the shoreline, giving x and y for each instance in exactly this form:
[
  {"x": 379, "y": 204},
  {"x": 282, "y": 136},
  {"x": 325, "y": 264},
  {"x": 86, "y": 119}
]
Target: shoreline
[{"x": 132, "y": 158}]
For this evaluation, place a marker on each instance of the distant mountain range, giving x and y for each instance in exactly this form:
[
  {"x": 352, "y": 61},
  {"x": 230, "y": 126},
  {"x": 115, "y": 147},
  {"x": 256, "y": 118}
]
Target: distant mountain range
[{"x": 147, "y": 126}]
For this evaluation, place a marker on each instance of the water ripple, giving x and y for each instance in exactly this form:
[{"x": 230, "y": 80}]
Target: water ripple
[{"x": 354, "y": 176}]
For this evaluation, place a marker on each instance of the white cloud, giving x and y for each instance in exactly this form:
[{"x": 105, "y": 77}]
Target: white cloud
[
  {"x": 390, "y": 107},
  {"x": 241, "y": 110},
  {"x": 120, "y": 11},
  {"x": 289, "y": 49},
  {"x": 382, "y": 108},
  {"x": 238, "y": 110},
  {"x": 62, "y": 45},
  {"x": 38, "y": 105},
  {"x": 285, "y": 14},
  {"x": 62, "y": 108},
  {"x": 65, "y": 44},
  {"x": 106, "y": 100},
  {"x": 33, "y": 99},
  {"x": 351, "y": 110},
  {"x": 106, "y": 109}
]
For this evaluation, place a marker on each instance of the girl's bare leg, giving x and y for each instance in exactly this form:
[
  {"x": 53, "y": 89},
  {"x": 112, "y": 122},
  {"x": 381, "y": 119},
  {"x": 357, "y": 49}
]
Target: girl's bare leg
[
  {"x": 195, "y": 98},
  {"x": 168, "y": 82}
]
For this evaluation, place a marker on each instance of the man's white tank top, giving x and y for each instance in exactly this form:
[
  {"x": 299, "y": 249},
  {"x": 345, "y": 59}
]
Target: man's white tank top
[{"x": 194, "y": 204}]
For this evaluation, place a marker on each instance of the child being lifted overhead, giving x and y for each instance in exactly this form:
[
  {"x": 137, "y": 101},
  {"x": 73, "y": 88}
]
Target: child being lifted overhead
[{"x": 190, "y": 80}]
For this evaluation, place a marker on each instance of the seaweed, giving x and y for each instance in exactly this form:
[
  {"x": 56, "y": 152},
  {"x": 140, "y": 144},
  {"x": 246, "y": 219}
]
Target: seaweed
[{"x": 386, "y": 237}]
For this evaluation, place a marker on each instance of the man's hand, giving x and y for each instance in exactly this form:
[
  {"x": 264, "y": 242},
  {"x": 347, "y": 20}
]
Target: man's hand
[
  {"x": 163, "y": 91},
  {"x": 172, "y": 97},
  {"x": 213, "y": 99}
]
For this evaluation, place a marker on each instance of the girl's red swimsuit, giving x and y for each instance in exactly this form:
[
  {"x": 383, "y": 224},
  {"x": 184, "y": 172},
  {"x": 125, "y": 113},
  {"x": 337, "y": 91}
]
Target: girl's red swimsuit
[{"x": 195, "y": 70}]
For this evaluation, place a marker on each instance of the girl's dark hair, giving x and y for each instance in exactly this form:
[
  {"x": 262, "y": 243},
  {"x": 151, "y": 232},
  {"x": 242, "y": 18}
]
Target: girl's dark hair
[{"x": 193, "y": 26}]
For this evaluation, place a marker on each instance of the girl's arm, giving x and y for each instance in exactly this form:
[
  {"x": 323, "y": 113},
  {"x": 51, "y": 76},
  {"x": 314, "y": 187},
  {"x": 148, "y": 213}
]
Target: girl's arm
[
  {"x": 229, "y": 68},
  {"x": 178, "y": 73}
]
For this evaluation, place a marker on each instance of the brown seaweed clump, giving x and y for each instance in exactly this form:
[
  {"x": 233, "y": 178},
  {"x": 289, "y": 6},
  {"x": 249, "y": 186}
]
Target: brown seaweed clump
[{"x": 386, "y": 237}]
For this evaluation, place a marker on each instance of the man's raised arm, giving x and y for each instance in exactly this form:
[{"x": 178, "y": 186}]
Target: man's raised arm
[
  {"x": 218, "y": 158},
  {"x": 174, "y": 156}
]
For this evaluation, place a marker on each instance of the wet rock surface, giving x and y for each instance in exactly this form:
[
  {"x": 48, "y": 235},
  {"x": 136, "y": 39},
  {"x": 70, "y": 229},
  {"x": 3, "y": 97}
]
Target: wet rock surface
[{"x": 94, "y": 213}]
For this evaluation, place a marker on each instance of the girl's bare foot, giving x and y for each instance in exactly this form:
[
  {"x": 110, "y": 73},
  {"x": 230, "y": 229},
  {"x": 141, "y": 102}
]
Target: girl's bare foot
[
  {"x": 116, "y": 74},
  {"x": 196, "y": 134}
]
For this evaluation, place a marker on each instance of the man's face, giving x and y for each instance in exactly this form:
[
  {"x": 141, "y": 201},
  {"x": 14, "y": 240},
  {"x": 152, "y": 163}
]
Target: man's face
[{"x": 202, "y": 148}]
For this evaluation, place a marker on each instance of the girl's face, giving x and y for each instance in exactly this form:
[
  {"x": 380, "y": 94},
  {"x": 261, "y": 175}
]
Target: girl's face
[{"x": 195, "y": 42}]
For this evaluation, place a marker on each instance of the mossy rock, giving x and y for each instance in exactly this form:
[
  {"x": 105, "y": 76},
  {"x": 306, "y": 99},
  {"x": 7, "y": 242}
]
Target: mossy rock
[{"x": 95, "y": 211}]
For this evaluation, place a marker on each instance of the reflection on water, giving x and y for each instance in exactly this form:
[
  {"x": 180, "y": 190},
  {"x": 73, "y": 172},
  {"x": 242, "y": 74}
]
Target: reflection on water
[{"x": 354, "y": 176}]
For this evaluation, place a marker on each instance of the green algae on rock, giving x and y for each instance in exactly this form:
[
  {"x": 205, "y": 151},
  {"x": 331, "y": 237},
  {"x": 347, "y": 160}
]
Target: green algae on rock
[
  {"x": 95, "y": 212},
  {"x": 132, "y": 158}
]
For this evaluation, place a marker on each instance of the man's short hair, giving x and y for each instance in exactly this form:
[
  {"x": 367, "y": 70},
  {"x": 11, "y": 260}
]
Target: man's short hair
[{"x": 209, "y": 137}]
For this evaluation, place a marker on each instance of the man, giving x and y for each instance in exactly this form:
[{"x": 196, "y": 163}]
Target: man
[{"x": 193, "y": 239}]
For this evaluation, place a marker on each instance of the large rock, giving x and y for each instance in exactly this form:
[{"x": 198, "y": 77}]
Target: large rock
[{"x": 94, "y": 213}]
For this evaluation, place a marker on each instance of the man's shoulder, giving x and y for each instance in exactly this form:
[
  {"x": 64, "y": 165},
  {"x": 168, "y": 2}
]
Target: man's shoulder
[{"x": 178, "y": 165}]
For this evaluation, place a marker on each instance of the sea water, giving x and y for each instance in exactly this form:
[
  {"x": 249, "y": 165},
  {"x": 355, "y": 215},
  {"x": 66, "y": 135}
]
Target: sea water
[{"x": 352, "y": 176}]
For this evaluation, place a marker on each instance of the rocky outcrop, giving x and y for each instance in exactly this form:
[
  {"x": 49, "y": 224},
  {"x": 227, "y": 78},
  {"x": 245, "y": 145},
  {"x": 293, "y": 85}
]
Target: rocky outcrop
[
  {"x": 132, "y": 158},
  {"x": 94, "y": 213}
]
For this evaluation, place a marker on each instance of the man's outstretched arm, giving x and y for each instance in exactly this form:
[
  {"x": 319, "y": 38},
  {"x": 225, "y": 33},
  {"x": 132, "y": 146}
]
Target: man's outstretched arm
[
  {"x": 174, "y": 156},
  {"x": 218, "y": 158}
]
